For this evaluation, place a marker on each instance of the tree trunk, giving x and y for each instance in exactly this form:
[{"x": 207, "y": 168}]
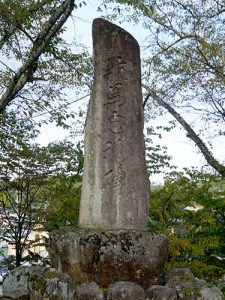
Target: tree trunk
[{"x": 18, "y": 254}]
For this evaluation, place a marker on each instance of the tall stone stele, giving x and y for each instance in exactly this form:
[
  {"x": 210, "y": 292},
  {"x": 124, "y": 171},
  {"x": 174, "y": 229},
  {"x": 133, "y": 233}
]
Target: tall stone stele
[
  {"x": 112, "y": 242},
  {"x": 115, "y": 193}
]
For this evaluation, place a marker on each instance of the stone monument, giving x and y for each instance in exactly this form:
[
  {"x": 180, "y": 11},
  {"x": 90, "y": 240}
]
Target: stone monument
[
  {"x": 115, "y": 191},
  {"x": 112, "y": 242}
]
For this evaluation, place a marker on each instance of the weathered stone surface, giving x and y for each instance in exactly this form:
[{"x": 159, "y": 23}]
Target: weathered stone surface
[
  {"x": 49, "y": 285},
  {"x": 213, "y": 292},
  {"x": 159, "y": 292},
  {"x": 115, "y": 190},
  {"x": 190, "y": 288},
  {"x": 107, "y": 257},
  {"x": 178, "y": 274},
  {"x": 37, "y": 283},
  {"x": 89, "y": 291},
  {"x": 125, "y": 291},
  {"x": 16, "y": 283}
]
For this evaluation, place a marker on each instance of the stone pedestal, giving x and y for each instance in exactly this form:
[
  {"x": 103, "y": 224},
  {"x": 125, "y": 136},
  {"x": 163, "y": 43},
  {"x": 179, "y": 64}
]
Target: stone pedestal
[{"x": 109, "y": 256}]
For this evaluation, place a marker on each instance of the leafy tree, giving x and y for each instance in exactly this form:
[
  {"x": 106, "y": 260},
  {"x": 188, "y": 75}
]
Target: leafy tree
[
  {"x": 190, "y": 209},
  {"x": 63, "y": 202},
  {"x": 21, "y": 186},
  {"x": 157, "y": 157},
  {"x": 28, "y": 172},
  {"x": 183, "y": 64},
  {"x": 64, "y": 190},
  {"x": 34, "y": 57}
]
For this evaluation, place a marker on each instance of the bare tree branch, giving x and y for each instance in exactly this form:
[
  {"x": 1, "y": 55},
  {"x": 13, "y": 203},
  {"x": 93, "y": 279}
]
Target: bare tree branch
[{"x": 191, "y": 133}]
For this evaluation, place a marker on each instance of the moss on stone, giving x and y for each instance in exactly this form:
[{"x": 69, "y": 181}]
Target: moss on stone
[
  {"x": 40, "y": 285},
  {"x": 99, "y": 240},
  {"x": 77, "y": 276},
  {"x": 104, "y": 291},
  {"x": 188, "y": 290},
  {"x": 140, "y": 250},
  {"x": 198, "y": 293},
  {"x": 191, "y": 290},
  {"x": 106, "y": 256},
  {"x": 51, "y": 274},
  {"x": 187, "y": 277}
]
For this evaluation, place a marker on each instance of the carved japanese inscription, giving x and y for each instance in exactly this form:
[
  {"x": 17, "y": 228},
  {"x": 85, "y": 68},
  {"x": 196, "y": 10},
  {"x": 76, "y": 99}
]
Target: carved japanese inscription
[{"x": 115, "y": 192}]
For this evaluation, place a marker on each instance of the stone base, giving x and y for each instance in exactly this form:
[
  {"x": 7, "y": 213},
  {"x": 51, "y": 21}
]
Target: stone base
[{"x": 109, "y": 256}]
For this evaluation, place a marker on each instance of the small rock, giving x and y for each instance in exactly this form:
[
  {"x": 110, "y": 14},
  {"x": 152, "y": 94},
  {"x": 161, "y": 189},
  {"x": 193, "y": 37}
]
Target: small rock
[
  {"x": 89, "y": 291},
  {"x": 50, "y": 284},
  {"x": 190, "y": 288},
  {"x": 16, "y": 283},
  {"x": 37, "y": 283},
  {"x": 178, "y": 274},
  {"x": 209, "y": 293},
  {"x": 125, "y": 291},
  {"x": 159, "y": 292}
]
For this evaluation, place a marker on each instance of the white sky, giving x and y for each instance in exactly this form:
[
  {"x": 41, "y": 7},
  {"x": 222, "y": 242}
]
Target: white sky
[{"x": 182, "y": 150}]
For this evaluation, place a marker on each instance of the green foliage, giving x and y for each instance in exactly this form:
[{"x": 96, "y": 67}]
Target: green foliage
[
  {"x": 22, "y": 24},
  {"x": 157, "y": 157},
  {"x": 36, "y": 182},
  {"x": 63, "y": 189},
  {"x": 63, "y": 203},
  {"x": 190, "y": 209}
]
